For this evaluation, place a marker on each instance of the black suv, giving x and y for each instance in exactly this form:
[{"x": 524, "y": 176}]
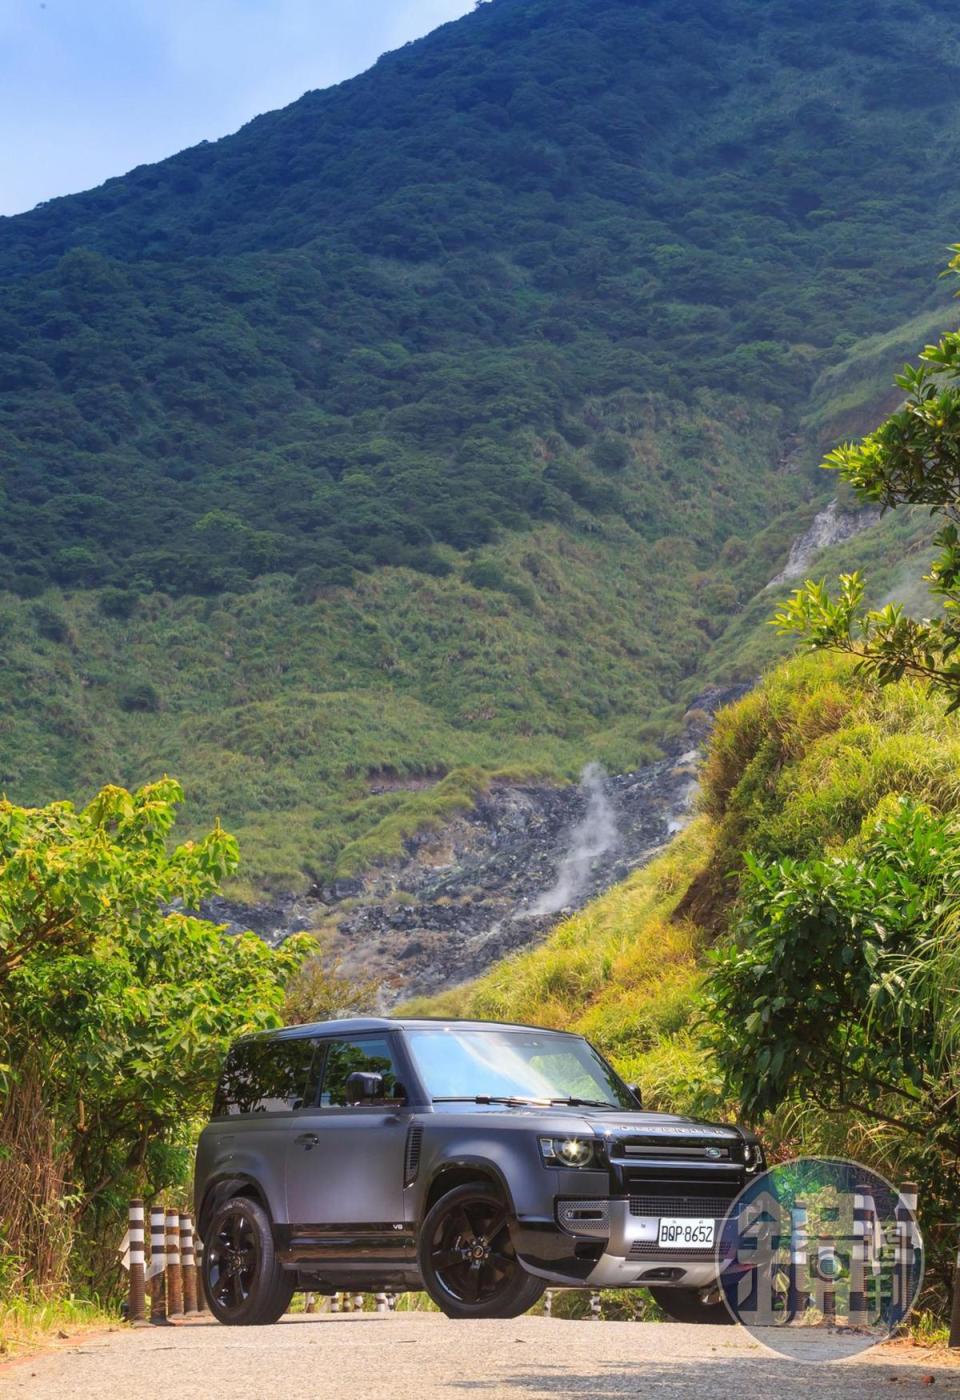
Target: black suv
[{"x": 481, "y": 1162}]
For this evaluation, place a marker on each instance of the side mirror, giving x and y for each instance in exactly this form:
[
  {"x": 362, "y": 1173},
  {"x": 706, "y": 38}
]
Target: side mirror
[
  {"x": 363, "y": 1088},
  {"x": 635, "y": 1091}
]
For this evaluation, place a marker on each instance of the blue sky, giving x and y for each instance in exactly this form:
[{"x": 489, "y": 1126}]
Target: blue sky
[{"x": 91, "y": 88}]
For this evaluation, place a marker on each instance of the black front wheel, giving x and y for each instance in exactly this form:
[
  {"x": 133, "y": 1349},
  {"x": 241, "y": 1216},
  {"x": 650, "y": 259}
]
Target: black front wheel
[
  {"x": 242, "y": 1278},
  {"x": 467, "y": 1261},
  {"x": 686, "y": 1305}
]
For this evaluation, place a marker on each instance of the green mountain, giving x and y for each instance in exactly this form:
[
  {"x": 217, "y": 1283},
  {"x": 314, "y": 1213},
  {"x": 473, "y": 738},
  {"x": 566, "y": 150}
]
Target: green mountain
[{"x": 451, "y": 418}]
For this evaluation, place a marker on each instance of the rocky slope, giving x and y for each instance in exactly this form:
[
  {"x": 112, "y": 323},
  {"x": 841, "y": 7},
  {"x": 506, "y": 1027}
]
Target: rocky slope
[{"x": 496, "y": 878}]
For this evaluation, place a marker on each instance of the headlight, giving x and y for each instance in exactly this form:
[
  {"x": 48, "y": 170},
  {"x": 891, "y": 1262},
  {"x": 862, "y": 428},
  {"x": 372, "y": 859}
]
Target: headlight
[{"x": 569, "y": 1151}]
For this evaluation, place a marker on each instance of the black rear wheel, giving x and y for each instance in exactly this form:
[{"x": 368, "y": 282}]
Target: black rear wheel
[
  {"x": 686, "y": 1305},
  {"x": 242, "y": 1278},
  {"x": 467, "y": 1260}
]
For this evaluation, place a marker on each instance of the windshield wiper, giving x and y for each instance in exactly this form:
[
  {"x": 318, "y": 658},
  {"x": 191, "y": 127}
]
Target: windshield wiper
[
  {"x": 585, "y": 1103},
  {"x": 492, "y": 1098}
]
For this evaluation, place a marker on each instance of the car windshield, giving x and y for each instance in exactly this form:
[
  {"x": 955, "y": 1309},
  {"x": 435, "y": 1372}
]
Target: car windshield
[{"x": 540, "y": 1066}]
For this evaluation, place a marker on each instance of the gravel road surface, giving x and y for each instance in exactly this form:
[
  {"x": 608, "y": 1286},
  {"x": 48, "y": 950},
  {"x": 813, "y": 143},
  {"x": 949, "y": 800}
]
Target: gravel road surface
[{"x": 422, "y": 1356}]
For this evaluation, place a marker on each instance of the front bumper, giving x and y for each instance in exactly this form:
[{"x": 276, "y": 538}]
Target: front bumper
[{"x": 602, "y": 1243}]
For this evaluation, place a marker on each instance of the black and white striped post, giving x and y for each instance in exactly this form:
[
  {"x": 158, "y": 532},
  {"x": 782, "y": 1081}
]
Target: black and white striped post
[
  {"x": 595, "y": 1307},
  {"x": 137, "y": 1306},
  {"x": 798, "y": 1294},
  {"x": 906, "y": 1243},
  {"x": 188, "y": 1267},
  {"x": 201, "y": 1292},
  {"x": 174, "y": 1277},
  {"x": 954, "y": 1338},
  {"x": 861, "y": 1255},
  {"x": 827, "y": 1271},
  {"x": 158, "y": 1264}
]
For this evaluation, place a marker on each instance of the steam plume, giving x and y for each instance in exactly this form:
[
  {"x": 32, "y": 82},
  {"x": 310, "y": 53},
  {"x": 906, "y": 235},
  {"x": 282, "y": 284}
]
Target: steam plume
[{"x": 593, "y": 836}]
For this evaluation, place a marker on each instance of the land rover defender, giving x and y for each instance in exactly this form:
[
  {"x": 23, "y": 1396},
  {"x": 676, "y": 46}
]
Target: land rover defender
[{"x": 480, "y": 1162}]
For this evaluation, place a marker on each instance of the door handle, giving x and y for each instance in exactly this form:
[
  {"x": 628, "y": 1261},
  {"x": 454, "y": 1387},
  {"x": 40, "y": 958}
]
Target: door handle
[{"x": 306, "y": 1140}]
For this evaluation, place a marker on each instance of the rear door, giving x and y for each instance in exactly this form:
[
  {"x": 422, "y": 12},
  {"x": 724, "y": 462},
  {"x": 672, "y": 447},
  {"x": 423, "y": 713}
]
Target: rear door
[{"x": 344, "y": 1160}]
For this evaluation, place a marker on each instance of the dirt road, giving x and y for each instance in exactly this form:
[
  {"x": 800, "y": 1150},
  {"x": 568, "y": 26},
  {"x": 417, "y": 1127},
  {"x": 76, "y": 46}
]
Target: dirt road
[{"x": 422, "y": 1356}]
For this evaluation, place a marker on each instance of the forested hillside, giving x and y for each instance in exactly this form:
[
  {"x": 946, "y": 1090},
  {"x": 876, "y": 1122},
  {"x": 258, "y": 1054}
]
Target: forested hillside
[
  {"x": 451, "y": 416},
  {"x": 824, "y": 861}
]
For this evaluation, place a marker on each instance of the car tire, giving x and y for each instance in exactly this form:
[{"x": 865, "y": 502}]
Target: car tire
[
  {"x": 467, "y": 1261},
  {"x": 243, "y": 1282},
  {"x": 686, "y": 1305}
]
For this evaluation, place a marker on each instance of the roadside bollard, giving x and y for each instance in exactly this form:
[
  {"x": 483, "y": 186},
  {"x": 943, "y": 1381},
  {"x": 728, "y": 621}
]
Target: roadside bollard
[
  {"x": 174, "y": 1277},
  {"x": 335, "y": 1303},
  {"x": 548, "y": 1303},
  {"x": 158, "y": 1264},
  {"x": 358, "y": 1303},
  {"x": 595, "y": 1307},
  {"x": 954, "y": 1339},
  {"x": 826, "y": 1269},
  {"x": 861, "y": 1256},
  {"x": 137, "y": 1308},
  {"x": 198, "y": 1259},
  {"x": 798, "y": 1288},
  {"x": 309, "y": 1302},
  {"x": 188, "y": 1267},
  {"x": 392, "y": 1302},
  {"x": 906, "y": 1224}
]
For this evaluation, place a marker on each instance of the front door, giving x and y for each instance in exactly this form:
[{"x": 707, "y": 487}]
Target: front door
[{"x": 345, "y": 1161}]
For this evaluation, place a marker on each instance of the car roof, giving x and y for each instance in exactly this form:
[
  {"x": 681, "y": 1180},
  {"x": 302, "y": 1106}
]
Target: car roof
[{"x": 351, "y": 1025}]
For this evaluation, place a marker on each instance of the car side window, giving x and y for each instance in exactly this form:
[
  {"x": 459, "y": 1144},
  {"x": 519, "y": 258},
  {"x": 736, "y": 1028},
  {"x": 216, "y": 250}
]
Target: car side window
[
  {"x": 369, "y": 1055},
  {"x": 265, "y": 1076}
]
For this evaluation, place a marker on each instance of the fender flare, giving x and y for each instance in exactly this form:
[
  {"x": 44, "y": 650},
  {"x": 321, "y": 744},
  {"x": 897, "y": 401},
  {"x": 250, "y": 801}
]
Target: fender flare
[
  {"x": 221, "y": 1189},
  {"x": 485, "y": 1167}
]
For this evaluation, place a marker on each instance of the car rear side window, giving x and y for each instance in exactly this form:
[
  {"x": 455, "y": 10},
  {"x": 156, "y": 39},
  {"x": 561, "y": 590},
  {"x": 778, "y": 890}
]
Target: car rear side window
[
  {"x": 371, "y": 1055},
  {"x": 265, "y": 1076}
]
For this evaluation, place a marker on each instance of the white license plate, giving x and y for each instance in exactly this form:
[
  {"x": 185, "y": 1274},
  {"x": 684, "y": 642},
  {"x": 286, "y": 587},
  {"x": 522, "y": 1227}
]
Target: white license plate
[{"x": 685, "y": 1234}]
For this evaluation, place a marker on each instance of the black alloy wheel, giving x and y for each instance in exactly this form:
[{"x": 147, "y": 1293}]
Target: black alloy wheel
[
  {"x": 467, "y": 1260},
  {"x": 242, "y": 1278}
]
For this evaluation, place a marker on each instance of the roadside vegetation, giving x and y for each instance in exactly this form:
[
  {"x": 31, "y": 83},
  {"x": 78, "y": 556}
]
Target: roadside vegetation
[
  {"x": 32, "y": 1323},
  {"x": 116, "y": 1008}
]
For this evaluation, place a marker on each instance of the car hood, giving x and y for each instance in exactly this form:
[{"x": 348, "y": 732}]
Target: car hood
[{"x": 607, "y": 1122}]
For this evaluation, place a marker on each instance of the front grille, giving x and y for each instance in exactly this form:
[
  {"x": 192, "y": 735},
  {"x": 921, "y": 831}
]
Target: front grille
[
  {"x": 678, "y": 1207},
  {"x": 412, "y": 1162},
  {"x": 585, "y": 1217},
  {"x": 690, "y": 1148}
]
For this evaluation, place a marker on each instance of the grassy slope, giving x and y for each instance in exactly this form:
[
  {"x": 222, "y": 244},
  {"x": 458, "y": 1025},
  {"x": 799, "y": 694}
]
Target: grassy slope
[
  {"x": 282, "y": 711},
  {"x": 793, "y": 769},
  {"x": 279, "y": 709}
]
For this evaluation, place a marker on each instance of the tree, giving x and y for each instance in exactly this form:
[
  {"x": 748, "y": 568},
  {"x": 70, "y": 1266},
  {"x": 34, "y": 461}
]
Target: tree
[
  {"x": 840, "y": 985},
  {"x": 911, "y": 459},
  {"x": 117, "y": 1005}
]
